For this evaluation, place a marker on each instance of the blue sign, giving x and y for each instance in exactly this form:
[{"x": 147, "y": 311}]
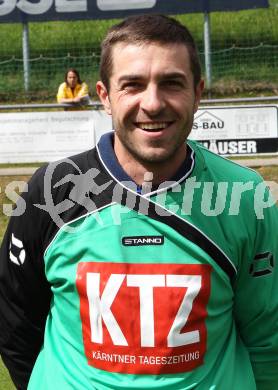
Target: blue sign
[{"x": 43, "y": 10}]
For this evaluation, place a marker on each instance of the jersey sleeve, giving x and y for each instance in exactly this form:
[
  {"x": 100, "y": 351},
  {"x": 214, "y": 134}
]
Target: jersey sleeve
[
  {"x": 24, "y": 291},
  {"x": 256, "y": 296}
]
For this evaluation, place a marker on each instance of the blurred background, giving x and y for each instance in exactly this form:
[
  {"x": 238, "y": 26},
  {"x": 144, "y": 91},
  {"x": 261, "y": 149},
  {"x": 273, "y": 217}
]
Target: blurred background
[{"x": 244, "y": 54}]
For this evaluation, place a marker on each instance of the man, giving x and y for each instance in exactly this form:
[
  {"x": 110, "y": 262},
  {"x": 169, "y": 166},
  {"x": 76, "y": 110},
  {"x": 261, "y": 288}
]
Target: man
[
  {"x": 73, "y": 90},
  {"x": 126, "y": 270}
]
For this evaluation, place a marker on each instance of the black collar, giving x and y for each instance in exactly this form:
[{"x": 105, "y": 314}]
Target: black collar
[{"x": 107, "y": 155}]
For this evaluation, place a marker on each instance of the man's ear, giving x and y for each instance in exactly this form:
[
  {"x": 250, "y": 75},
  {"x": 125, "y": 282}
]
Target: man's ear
[
  {"x": 198, "y": 93},
  {"x": 103, "y": 96}
]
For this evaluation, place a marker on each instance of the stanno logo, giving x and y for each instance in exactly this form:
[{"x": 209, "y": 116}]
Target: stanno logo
[
  {"x": 17, "y": 252},
  {"x": 142, "y": 240}
]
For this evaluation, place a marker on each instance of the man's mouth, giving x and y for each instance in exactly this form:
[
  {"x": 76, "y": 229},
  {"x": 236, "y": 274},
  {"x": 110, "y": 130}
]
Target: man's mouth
[{"x": 153, "y": 126}]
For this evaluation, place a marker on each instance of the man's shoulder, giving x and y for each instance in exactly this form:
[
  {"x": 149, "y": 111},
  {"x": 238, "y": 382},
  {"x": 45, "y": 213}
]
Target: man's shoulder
[
  {"x": 224, "y": 168},
  {"x": 72, "y": 165}
]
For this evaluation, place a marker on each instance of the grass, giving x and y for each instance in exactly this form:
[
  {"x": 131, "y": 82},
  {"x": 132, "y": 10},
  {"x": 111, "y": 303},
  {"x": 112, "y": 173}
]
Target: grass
[
  {"x": 61, "y": 37},
  {"x": 72, "y": 43},
  {"x": 4, "y": 199},
  {"x": 5, "y": 381},
  {"x": 19, "y": 165},
  {"x": 269, "y": 173}
]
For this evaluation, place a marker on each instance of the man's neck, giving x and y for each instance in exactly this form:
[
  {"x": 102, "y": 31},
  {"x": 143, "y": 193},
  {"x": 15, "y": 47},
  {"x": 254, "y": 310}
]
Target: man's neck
[{"x": 140, "y": 171}]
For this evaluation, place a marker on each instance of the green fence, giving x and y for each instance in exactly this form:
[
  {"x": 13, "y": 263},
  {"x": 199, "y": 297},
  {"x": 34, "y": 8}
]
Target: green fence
[{"x": 244, "y": 54}]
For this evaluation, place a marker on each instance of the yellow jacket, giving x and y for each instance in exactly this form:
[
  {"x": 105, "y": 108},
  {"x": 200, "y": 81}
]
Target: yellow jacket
[{"x": 65, "y": 92}]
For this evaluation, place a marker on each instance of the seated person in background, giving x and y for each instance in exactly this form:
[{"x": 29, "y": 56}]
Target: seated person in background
[{"x": 73, "y": 90}]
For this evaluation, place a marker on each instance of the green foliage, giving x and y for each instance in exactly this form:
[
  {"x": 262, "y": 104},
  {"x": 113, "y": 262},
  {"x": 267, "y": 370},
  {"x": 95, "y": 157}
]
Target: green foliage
[
  {"x": 5, "y": 381},
  {"x": 5, "y": 199},
  {"x": 244, "y": 49},
  {"x": 3, "y": 224},
  {"x": 228, "y": 28}
]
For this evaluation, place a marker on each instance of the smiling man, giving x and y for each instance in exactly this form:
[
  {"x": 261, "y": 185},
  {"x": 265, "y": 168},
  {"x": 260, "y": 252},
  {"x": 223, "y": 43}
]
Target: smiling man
[
  {"x": 128, "y": 287},
  {"x": 152, "y": 99},
  {"x": 152, "y": 89}
]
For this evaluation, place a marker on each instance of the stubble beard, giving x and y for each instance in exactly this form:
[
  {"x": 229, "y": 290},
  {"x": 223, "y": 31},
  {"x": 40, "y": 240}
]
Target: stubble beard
[{"x": 151, "y": 157}]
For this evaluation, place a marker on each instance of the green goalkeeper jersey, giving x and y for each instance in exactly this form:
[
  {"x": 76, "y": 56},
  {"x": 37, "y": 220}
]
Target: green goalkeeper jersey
[{"x": 172, "y": 288}]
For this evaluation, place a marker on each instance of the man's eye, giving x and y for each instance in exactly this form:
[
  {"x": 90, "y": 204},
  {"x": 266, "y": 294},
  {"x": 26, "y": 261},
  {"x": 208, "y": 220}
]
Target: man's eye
[
  {"x": 131, "y": 86},
  {"x": 175, "y": 84}
]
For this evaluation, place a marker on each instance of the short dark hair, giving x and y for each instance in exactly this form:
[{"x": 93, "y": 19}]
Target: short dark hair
[
  {"x": 73, "y": 70},
  {"x": 146, "y": 29}
]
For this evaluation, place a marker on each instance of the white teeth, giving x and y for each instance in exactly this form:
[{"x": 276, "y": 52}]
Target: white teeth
[{"x": 152, "y": 126}]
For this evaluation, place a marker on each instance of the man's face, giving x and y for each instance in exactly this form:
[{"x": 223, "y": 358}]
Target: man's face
[
  {"x": 152, "y": 101},
  {"x": 71, "y": 79}
]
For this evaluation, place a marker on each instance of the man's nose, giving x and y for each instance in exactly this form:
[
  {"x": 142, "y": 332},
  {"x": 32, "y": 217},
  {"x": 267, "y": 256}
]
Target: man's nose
[{"x": 152, "y": 101}]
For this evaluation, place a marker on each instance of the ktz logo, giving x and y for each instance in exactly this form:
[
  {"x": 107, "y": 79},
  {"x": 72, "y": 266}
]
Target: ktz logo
[
  {"x": 166, "y": 309},
  {"x": 17, "y": 253}
]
